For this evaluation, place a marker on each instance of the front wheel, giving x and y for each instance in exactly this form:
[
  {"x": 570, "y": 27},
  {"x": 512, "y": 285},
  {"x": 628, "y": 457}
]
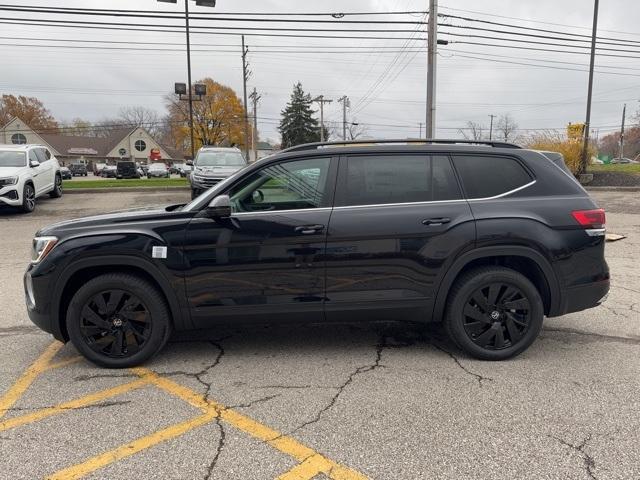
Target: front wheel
[
  {"x": 494, "y": 313},
  {"x": 28, "y": 198},
  {"x": 118, "y": 320},
  {"x": 57, "y": 187}
]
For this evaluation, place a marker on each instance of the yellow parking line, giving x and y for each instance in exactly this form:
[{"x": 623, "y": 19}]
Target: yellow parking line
[
  {"x": 284, "y": 444},
  {"x": 312, "y": 466},
  {"x": 63, "y": 363},
  {"x": 73, "y": 404},
  {"x": 27, "y": 378},
  {"x": 131, "y": 448}
]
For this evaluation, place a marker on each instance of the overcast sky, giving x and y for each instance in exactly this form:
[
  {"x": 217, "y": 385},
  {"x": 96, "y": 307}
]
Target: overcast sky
[{"x": 387, "y": 90}]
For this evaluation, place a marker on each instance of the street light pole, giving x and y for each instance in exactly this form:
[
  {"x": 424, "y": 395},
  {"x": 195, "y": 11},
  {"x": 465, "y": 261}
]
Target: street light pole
[
  {"x": 186, "y": 17},
  {"x": 432, "y": 54},
  {"x": 491, "y": 127}
]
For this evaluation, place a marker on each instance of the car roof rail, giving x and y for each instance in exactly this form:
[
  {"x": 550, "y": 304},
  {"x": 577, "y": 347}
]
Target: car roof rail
[{"x": 431, "y": 141}]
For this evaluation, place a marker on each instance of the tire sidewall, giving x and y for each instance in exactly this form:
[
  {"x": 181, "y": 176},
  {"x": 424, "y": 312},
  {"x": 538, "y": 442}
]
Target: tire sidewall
[
  {"x": 25, "y": 205},
  {"x": 455, "y": 315},
  {"x": 57, "y": 186},
  {"x": 160, "y": 323}
]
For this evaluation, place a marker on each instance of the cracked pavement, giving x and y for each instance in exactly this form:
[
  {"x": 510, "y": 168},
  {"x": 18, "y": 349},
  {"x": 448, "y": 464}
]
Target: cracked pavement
[{"x": 390, "y": 401}]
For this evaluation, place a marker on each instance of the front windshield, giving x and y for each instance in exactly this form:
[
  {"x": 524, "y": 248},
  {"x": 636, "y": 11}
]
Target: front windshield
[
  {"x": 157, "y": 166},
  {"x": 214, "y": 158},
  {"x": 13, "y": 159}
]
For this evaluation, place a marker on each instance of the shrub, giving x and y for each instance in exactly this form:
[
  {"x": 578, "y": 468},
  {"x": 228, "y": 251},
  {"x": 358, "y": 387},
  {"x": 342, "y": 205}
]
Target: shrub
[{"x": 570, "y": 149}]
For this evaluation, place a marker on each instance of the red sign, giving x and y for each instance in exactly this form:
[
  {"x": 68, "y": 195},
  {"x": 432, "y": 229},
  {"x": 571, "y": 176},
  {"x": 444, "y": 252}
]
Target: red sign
[{"x": 155, "y": 154}]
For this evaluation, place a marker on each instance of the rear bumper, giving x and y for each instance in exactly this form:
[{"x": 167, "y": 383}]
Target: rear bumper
[{"x": 582, "y": 297}]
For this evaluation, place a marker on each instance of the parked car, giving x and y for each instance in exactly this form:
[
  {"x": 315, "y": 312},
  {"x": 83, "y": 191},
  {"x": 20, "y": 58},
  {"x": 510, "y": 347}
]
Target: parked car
[
  {"x": 212, "y": 165},
  {"x": 26, "y": 173},
  {"x": 97, "y": 168},
  {"x": 65, "y": 173},
  {"x": 78, "y": 169},
  {"x": 109, "y": 171},
  {"x": 144, "y": 167},
  {"x": 126, "y": 169},
  {"x": 622, "y": 160},
  {"x": 157, "y": 170},
  {"x": 485, "y": 237}
]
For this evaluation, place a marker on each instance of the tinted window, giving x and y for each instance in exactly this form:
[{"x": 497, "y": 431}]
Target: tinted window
[
  {"x": 488, "y": 176},
  {"x": 283, "y": 186},
  {"x": 374, "y": 180}
]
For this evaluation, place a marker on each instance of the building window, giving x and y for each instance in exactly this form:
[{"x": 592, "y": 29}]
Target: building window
[
  {"x": 18, "y": 139},
  {"x": 140, "y": 145}
]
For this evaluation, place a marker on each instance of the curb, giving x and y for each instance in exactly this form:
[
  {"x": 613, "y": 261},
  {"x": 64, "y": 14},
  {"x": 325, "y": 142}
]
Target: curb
[
  {"x": 125, "y": 189},
  {"x": 612, "y": 189}
]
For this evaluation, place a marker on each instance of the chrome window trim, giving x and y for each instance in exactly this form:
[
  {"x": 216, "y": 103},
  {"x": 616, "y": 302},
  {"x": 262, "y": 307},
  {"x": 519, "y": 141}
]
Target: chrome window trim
[
  {"x": 503, "y": 194},
  {"x": 459, "y": 200},
  {"x": 320, "y": 209}
]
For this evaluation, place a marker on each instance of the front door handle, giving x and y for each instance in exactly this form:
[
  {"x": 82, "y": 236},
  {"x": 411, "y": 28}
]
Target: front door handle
[
  {"x": 436, "y": 221},
  {"x": 309, "y": 229}
]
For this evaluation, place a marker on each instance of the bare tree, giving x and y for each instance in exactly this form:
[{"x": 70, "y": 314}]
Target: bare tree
[
  {"x": 507, "y": 128},
  {"x": 473, "y": 131},
  {"x": 356, "y": 130},
  {"x": 139, "y": 116}
]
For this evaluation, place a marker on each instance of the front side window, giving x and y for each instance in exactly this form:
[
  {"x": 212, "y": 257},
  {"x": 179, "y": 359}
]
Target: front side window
[
  {"x": 42, "y": 156},
  {"x": 283, "y": 186},
  {"x": 487, "y": 176},
  {"x": 18, "y": 139},
  {"x": 33, "y": 157}
]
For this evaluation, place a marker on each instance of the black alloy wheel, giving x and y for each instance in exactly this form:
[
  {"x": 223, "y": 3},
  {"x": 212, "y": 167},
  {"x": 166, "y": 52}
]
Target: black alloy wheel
[
  {"x": 115, "y": 323},
  {"x": 57, "y": 187},
  {"x": 493, "y": 313},
  {"x": 496, "y": 316},
  {"x": 118, "y": 320}
]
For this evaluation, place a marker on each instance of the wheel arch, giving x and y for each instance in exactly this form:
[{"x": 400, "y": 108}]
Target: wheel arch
[
  {"x": 525, "y": 260},
  {"x": 81, "y": 271}
]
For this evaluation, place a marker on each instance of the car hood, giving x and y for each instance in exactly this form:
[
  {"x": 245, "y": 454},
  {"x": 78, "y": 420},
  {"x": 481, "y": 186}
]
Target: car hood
[
  {"x": 216, "y": 172},
  {"x": 122, "y": 221},
  {"x": 12, "y": 171}
]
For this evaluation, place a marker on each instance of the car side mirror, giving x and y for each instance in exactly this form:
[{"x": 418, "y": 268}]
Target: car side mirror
[
  {"x": 190, "y": 163},
  {"x": 34, "y": 163},
  {"x": 220, "y": 207}
]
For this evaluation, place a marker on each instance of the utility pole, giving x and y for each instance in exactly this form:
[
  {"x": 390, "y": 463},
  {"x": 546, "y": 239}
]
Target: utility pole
[
  {"x": 186, "y": 18},
  {"x": 432, "y": 52},
  {"x": 245, "y": 77},
  {"x": 321, "y": 101},
  {"x": 585, "y": 147},
  {"x": 624, "y": 111},
  {"x": 491, "y": 127},
  {"x": 420, "y": 134},
  {"x": 254, "y": 142},
  {"x": 345, "y": 104}
]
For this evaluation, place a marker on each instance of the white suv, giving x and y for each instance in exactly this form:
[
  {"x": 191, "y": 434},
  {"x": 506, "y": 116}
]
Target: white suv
[{"x": 26, "y": 173}]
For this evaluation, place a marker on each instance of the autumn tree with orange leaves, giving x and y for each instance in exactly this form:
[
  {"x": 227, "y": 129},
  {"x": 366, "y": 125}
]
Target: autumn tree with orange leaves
[
  {"x": 217, "y": 118},
  {"x": 29, "y": 109}
]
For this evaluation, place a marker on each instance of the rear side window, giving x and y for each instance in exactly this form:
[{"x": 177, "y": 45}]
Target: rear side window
[
  {"x": 488, "y": 176},
  {"x": 385, "y": 179}
]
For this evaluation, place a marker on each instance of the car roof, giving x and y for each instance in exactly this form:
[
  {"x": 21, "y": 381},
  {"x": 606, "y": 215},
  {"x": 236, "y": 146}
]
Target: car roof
[{"x": 19, "y": 148}]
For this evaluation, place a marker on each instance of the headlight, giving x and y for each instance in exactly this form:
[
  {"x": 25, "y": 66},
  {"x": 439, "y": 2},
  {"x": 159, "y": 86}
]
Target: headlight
[
  {"x": 41, "y": 247},
  {"x": 8, "y": 181}
]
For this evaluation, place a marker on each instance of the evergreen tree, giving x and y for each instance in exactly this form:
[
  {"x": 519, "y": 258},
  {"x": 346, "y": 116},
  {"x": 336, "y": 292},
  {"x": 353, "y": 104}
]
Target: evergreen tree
[{"x": 297, "y": 124}]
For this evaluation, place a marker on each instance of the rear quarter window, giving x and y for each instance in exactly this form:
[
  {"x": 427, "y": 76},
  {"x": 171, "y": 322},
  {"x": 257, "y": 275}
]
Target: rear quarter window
[{"x": 488, "y": 176}]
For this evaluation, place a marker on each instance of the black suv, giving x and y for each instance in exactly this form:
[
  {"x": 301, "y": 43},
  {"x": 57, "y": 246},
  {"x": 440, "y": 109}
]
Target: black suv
[
  {"x": 127, "y": 169},
  {"x": 485, "y": 238},
  {"x": 78, "y": 169}
]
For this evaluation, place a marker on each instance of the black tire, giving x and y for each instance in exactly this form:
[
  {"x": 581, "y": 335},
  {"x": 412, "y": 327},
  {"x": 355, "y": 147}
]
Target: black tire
[
  {"x": 493, "y": 313},
  {"x": 57, "y": 187},
  {"x": 140, "y": 310},
  {"x": 28, "y": 198}
]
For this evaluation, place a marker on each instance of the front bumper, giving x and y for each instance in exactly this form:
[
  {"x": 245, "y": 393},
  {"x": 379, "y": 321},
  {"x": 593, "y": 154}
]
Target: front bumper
[
  {"x": 9, "y": 195},
  {"x": 39, "y": 304}
]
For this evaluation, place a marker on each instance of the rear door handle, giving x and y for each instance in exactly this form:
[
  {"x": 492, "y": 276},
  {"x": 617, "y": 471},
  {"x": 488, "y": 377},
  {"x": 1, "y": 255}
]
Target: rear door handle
[
  {"x": 309, "y": 229},
  {"x": 436, "y": 221}
]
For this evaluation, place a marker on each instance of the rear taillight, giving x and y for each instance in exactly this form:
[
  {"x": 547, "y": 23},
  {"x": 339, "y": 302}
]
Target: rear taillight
[{"x": 590, "y": 218}]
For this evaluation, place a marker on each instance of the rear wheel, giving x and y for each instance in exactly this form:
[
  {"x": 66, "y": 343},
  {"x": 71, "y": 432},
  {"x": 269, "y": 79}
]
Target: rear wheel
[
  {"x": 57, "y": 187},
  {"x": 28, "y": 198},
  {"x": 494, "y": 313},
  {"x": 118, "y": 320}
]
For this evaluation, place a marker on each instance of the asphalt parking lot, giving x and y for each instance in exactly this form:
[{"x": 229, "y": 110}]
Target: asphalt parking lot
[{"x": 343, "y": 402}]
